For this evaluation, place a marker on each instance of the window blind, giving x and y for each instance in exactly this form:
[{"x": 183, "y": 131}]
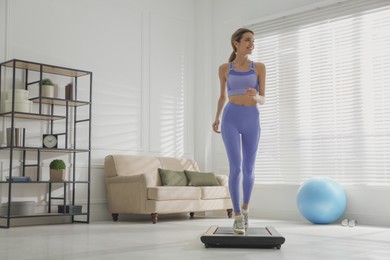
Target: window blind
[{"x": 327, "y": 110}]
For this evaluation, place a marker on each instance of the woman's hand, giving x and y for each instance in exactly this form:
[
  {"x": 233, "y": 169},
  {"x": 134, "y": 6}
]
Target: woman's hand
[
  {"x": 253, "y": 93},
  {"x": 216, "y": 126}
]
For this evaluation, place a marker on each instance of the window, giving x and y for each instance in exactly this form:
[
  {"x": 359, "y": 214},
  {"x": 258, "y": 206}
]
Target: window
[{"x": 327, "y": 109}]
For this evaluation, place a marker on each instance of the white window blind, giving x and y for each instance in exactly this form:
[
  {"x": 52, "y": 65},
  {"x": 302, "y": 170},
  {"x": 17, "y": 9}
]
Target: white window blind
[{"x": 327, "y": 110}]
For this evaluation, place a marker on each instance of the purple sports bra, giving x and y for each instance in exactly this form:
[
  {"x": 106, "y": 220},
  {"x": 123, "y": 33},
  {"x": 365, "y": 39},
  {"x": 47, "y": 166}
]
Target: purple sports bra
[{"x": 239, "y": 81}]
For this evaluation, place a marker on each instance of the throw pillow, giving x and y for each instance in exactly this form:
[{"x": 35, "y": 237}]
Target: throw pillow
[
  {"x": 172, "y": 178},
  {"x": 201, "y": 178}
]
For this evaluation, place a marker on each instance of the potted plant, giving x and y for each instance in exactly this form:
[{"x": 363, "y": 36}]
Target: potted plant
[
  {"x": 57, "y": 170},
  {"x": 47, "y": 82},
  {"x": 47, "y": 88}
]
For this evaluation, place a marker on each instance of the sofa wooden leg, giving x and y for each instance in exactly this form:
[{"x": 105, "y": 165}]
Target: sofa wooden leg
[
  {"x": 192, "y": 214},
  {"x": 115, "y": 216},
  {"x": 230, "y": 213},
  {"x": 154, "y": 217}
]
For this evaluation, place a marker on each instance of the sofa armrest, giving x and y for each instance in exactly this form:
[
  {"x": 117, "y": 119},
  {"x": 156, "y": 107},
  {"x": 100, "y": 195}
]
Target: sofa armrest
[
  {"x": 128, "y": 194},
  {"x": 223, "y": 180},
  {"x": 124, "y": 179}
]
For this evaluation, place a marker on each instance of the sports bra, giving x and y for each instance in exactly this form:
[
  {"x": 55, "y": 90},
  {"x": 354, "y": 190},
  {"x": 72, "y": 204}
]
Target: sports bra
[{"x": 238, "y": 81}]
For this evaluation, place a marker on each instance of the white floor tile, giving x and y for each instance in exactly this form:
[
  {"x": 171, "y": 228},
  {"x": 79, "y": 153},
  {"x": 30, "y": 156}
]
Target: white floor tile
[{"x": 180, "y": 239}]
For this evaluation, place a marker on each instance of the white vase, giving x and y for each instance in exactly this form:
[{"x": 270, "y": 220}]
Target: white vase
[
  {"x": 24, "y": 106},
  {"x": 48, "y": 91},
  {"x": 20, "y": 94}
]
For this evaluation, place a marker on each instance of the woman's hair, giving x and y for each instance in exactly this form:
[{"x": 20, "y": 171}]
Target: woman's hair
[{"x": 236, "y": 37}]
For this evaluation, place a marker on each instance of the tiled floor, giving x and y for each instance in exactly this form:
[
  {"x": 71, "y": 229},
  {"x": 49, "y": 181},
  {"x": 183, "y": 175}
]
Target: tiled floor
[{"x": 178, "y": 238}]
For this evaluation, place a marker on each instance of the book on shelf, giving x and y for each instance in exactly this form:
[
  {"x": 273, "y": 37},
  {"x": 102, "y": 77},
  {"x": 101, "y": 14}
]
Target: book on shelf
[{"x": 19, "y": 179}]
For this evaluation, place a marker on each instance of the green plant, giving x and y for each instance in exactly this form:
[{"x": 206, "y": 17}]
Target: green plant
[
  {"x": 57, "y": 165},
  {"x": 47, "y": 82}
]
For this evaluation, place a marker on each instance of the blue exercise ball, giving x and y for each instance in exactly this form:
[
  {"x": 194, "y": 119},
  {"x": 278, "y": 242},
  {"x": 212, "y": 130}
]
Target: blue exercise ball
[{"x": 321, "y": 200}]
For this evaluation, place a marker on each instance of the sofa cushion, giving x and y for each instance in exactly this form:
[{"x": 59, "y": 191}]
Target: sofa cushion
[
  {"x": 201, "y": 178},
  {"x": 174, "y": 193},
  {"x": 172, "y": 178},
  {"x": 212, "y": 192}
]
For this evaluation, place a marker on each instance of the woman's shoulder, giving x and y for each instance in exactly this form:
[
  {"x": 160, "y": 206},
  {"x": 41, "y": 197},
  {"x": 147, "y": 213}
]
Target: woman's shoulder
[
  {"x": 259, "y": 65},
  {"x": 224, "y": 67},
  {"x": 259, "y": 68}
]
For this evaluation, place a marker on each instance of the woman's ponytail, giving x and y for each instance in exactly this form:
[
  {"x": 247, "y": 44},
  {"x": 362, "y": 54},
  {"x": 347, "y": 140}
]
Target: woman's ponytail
[{"x": 232, "y": 56}]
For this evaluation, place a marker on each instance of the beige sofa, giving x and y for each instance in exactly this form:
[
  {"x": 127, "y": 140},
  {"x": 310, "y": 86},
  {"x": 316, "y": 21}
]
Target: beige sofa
[{"x": 134, "y": 187}]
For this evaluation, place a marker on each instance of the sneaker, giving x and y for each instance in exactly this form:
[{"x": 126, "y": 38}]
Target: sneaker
[
  {"x": 344, "y": 222},
  {"x": 352, "y": 223},
  {"x": 239, "y": 225},
  {"x": 245, "y": 213}
]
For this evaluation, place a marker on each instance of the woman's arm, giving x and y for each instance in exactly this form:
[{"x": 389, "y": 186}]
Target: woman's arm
[
  {"x": 222, "y": 95},
  {"x": 261, "y": 73},
  {"x": 261, "y": 76}
]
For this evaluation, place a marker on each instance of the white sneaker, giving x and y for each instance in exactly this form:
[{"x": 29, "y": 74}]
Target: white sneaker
[
  {"x": 239, "y": 225},
  {"x": 245, "y": 213},
  {"x": 352, "y": 223}
]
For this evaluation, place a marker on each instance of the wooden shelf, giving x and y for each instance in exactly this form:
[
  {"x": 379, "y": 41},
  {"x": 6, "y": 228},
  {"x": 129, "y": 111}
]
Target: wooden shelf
[
  {"x": 33, "y": 116},
  {"x": 44, "y": 182},
  {"x": 28, "y": 65},
  {"x": 44, "y": 215},
  {"x": 58, "y": 101},
  {"x": 41, "y": 149}
]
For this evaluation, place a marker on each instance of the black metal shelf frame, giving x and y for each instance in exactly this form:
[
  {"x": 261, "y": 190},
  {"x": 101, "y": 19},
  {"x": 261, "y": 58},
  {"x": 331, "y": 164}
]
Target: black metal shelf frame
[{"x": 27, "y": 67}]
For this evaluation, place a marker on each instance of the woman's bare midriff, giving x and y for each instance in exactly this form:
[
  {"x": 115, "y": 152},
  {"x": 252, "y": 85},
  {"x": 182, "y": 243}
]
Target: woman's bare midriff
[{"x": 242, "y": 100}]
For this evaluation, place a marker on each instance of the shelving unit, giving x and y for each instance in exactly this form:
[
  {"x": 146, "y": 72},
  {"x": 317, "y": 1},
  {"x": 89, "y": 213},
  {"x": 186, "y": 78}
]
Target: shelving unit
[{"x": 58, "y": 111}]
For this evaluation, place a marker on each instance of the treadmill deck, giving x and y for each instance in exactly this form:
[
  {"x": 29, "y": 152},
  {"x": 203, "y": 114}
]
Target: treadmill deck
[{"x": 254, "y": 237}]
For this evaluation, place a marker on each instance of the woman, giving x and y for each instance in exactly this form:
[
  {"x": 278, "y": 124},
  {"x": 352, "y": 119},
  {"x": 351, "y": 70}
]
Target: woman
[{"x": 244, "y": 81}]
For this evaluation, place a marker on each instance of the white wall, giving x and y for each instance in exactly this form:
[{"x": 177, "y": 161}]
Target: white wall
[
  {"x": 277, "y": 201},
  {"x": 3, "y": 13},
  {"x": 204, "y": 72},
  {"x": 141, "y": 54}
]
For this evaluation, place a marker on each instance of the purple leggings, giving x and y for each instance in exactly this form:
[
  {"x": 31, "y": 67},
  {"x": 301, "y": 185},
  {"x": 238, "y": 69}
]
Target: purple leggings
[{"x": 241, "y": 124}]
